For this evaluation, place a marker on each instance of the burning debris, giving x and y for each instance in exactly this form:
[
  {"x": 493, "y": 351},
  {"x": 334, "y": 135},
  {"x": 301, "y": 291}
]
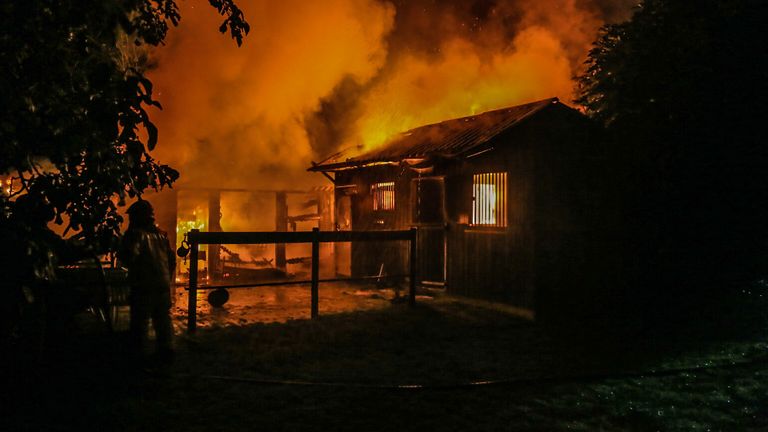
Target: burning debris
[{"x": 217, "y": 210}]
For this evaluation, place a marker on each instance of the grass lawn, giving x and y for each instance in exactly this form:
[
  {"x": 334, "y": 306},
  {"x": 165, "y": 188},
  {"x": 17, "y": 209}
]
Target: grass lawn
[{"x": 228, "y": 378}]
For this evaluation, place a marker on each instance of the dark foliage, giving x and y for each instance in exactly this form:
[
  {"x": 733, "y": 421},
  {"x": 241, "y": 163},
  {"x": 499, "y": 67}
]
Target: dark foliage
[
  {"x": 680, "y": 88},
  {"x": 75, "y": 131}
]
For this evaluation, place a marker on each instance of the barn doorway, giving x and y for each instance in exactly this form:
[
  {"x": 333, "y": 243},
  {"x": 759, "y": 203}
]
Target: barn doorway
[
  {"x": 343, "y": 250},
  {"x": 428, "y": 194}
]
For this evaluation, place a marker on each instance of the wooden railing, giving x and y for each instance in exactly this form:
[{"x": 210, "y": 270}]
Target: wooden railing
[{"x": 196, "y": 238}]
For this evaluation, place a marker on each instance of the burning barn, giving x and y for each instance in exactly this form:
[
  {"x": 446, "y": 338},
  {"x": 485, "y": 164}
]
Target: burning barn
[
  {"x": 503, "y": 201},
  {"x": 239, "y": 209}
]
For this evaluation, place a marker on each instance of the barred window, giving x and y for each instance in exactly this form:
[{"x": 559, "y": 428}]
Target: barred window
[
  {"x": 383, "y": 196},
  {"x": 489, "y": 199}
]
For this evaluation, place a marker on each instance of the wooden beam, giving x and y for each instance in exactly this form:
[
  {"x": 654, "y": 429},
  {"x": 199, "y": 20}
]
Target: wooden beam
[
  {"x": 412, "y": 296},
  {"x": 214, "y": 225},
  {"x": 192, "y": 302},
  {"x": 254, "y": 190},
  {"x": 281, "y": 225},
  {"x": 314, "y": 164},
  {"x": 269, "y": 237},
  {"x": 315, "y": 272}
]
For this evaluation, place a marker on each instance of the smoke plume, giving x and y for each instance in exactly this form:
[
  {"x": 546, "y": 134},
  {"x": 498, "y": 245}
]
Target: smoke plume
[{"x": 313, "y": 77}]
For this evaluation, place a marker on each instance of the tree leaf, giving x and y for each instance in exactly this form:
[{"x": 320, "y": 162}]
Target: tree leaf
[{"x": 151, "y": 135}]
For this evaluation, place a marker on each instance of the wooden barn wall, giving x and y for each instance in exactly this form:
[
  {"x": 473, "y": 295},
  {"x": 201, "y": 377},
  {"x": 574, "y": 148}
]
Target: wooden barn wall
[
  {"x": 367, "y": 258},
  {"x": 548, "y": 259},
  {"x": 488, "y": 262}
]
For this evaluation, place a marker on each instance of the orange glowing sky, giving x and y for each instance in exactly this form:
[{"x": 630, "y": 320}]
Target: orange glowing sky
[{"x": 313, "y": 77}]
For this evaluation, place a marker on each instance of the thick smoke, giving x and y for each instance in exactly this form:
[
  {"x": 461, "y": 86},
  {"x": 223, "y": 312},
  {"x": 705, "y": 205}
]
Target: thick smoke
[
  {"x": 234, "y": 117},
  {"x": 316, "y": 76},
  {"x": 454, "y": 58}
]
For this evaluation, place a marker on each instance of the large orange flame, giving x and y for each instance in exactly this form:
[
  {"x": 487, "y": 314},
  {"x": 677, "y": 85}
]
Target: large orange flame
[{"x": 313, "y": 77}]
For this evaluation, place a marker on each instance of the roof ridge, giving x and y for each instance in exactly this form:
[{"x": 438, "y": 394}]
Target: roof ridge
[
  {"x": 449, "y": 137},
  {"x": 484, "y": 136},
  {"x": 541, "y": 101}
]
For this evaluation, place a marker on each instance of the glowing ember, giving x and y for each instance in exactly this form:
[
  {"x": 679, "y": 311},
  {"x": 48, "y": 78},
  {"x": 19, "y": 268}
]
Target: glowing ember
[{"x": 8, "y": 186}]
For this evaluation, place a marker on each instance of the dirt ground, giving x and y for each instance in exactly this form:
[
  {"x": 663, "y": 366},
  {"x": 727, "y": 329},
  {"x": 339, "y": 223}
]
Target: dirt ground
[
  {"x": 446, "y": 364},
  {"x": 280, "y": 303},
  {"x": 270, "y": 304}
]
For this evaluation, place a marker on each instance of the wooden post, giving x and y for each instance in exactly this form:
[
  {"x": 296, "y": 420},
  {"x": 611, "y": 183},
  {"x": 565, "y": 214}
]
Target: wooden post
[
  {"x": 215, "y": 268},
  {"x": 412, "y": 296},
  {"x": 166, "y": 207},
  {"x": 192, "y": 303},
  {"x": 281, "y": 225},
  {"x": 315, "y": 270}
]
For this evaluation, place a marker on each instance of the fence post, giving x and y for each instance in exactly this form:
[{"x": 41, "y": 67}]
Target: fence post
[
  {"x": 192, "y": 302},
  {"x": 315, "y": 270},
  {"x": 412, "y": 296}
]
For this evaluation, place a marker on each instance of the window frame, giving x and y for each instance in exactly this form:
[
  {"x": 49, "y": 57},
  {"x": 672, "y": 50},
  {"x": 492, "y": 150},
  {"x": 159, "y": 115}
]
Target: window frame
[
  {"x": 491, "y": 214},
  {"x": 383, "y": 196}
]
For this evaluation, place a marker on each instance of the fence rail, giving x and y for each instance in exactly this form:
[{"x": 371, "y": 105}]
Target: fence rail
[
  {"x": 196, "y": 238},
  {"x": 295, "y": 237}
]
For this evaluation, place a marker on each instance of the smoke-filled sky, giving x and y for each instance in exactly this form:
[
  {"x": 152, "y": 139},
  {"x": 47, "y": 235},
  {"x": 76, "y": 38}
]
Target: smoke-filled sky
[{"x": 316, "y": 76}]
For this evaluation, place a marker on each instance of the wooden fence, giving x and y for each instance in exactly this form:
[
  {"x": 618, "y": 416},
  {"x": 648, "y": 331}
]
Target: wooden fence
[{"x": 196, "y": 238}]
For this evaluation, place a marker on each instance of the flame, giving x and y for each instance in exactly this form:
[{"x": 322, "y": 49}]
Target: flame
[
  {"x": 187, "y": 221},
  {"x": 463, "y": 83},
  {"x": 185, "y": 226},
  {"x": 313, "y": 77},
  {"x": 7, "y": 186},
  {"x": 232, "y": 116}
]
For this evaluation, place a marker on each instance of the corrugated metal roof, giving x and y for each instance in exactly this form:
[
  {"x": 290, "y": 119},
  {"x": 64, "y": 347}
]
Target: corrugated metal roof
[{"x": 447, "y": 138}]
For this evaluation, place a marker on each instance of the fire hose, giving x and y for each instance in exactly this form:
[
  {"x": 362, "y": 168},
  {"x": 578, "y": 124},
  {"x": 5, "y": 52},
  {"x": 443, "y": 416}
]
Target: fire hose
[{"x": 508, "y": 382}]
